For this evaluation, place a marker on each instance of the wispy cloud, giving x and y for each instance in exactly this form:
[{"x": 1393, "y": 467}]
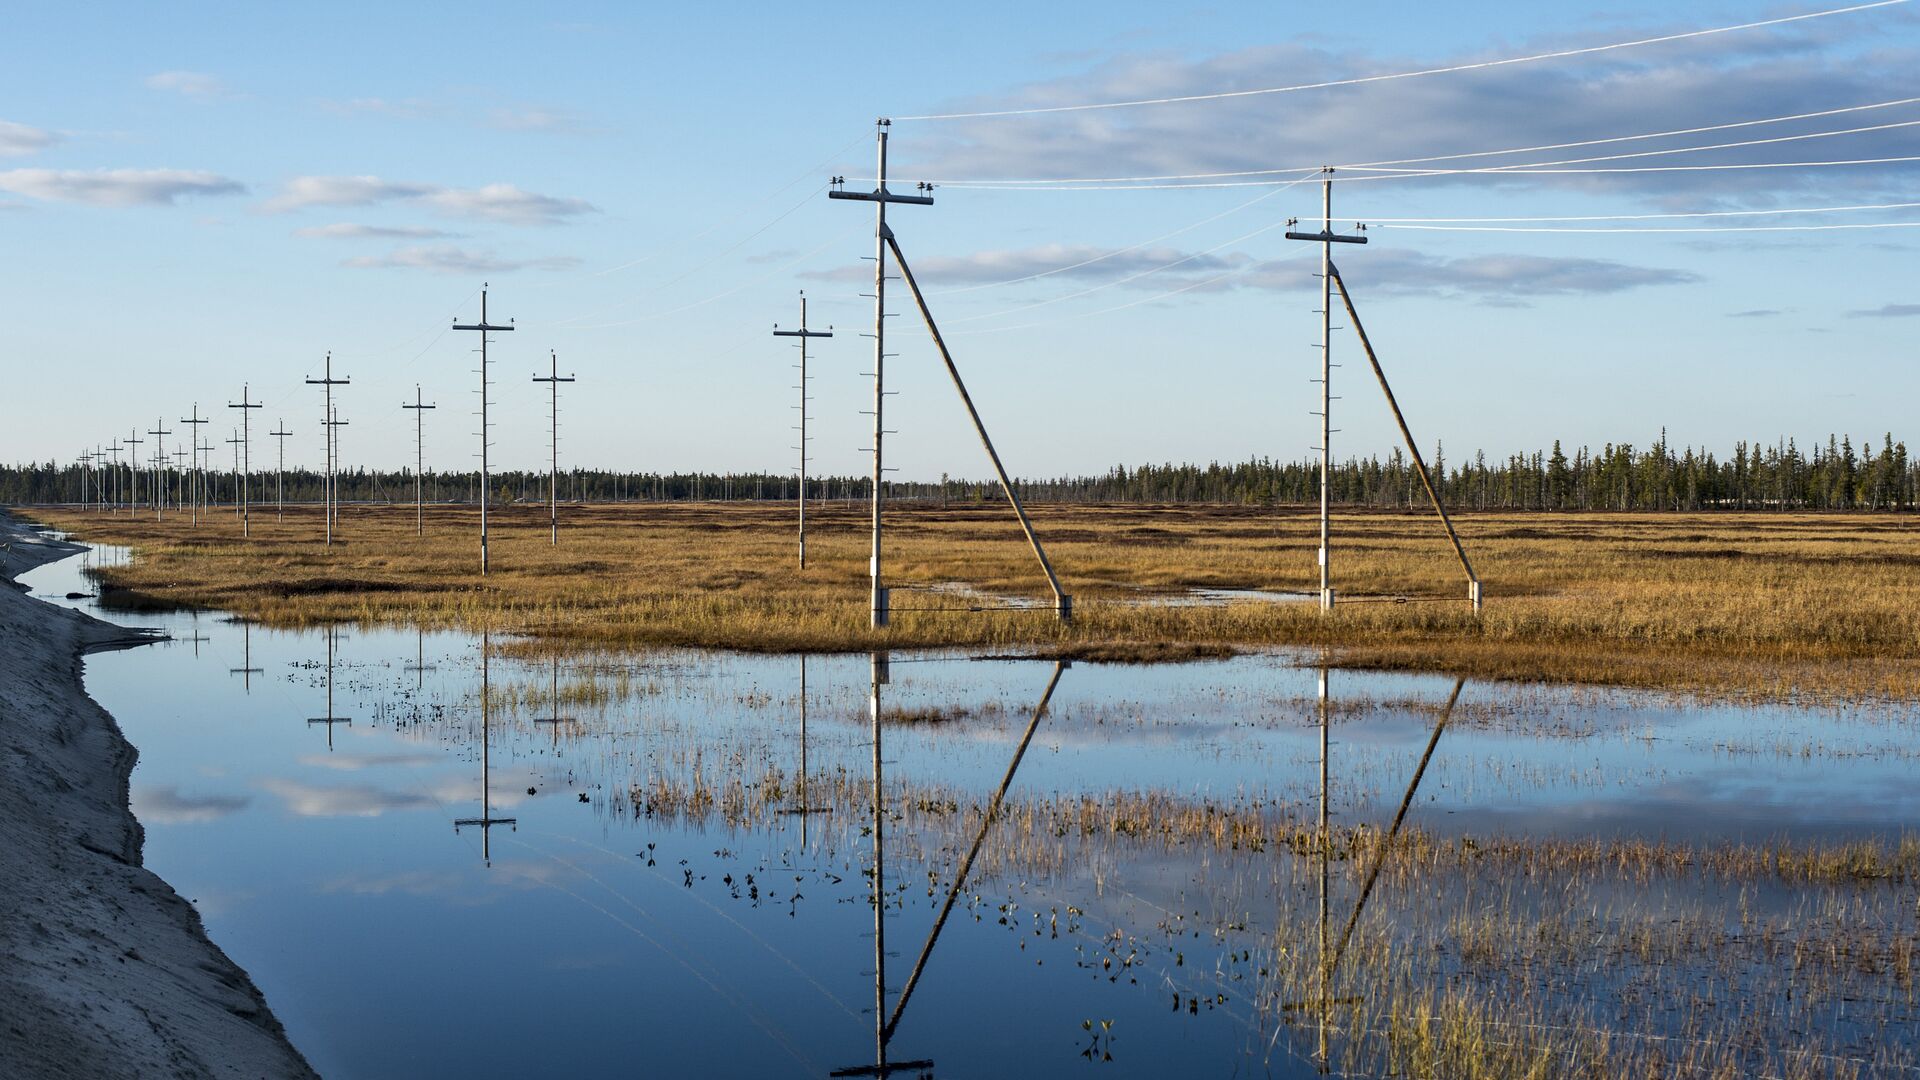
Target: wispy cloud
[
  {"x": 197, "y": 85},
  {"x": 1887, "y": 311},
  {"x": 533, "y": 118},
  {"x": 19, "y": 140},
  {"x": 349, "y": 231},
  {"x": 1389, "y": 270},
  {"x": 1756, "y": 313},
  {"x": 403, "y": 108},
  {"x": 117, "y": 187},
  {"x": 453, "y": 260},
  {"x": 502, "y": 203},
  {"x": 305, "y": 191},
  {"x": 165, "y": 805}
]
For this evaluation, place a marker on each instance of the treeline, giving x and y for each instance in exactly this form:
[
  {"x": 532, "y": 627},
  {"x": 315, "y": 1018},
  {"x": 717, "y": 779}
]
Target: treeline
[{"x": 1779, "y": 475}]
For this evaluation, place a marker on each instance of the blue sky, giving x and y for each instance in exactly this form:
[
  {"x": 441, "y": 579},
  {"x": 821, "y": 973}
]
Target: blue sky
[{"x": 216, "y": 194}]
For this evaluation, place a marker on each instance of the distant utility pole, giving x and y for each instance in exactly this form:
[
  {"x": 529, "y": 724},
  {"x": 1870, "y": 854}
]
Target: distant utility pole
[
  {"x": 113, "y": 451},
  {"x": 553, "y": 379},
  {"x": 884, "y": 242},
  {"x": 182, "y": 464},
  {"x": 195, "y": 483},
  {"x": 280, "y": 473},
  {"x": 334, "y": 423},
  {"x": 419, "y": 456},
  {"x": 484, "y": 327},
  {"x": 1326, "y": 238},
  {"x": 133, "y": 471},
  {"x": 246, "y": 450},
  {"x": 239, "y": 485},
  {"x": 326, "y": 425},
  {"x": 159, "y": 465},
  {"x": 803, "y": 334}
]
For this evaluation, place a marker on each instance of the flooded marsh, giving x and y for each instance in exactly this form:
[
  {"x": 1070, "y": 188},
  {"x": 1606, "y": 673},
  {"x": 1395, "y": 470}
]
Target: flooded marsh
[{"x": 438, "y": 852}]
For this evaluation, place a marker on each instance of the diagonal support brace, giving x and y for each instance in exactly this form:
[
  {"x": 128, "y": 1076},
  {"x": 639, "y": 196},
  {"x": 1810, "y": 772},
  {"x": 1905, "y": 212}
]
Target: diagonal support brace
[
  {"x": 1062, "y": 603},
  {"x": 1413, "y": 449}
]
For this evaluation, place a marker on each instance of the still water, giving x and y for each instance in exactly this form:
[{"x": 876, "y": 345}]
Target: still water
[{"x": 438, "y": 856}]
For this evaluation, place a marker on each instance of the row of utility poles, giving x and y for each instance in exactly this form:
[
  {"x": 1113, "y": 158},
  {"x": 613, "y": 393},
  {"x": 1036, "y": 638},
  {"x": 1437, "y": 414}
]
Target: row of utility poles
[{"x": 330, "y": 424}]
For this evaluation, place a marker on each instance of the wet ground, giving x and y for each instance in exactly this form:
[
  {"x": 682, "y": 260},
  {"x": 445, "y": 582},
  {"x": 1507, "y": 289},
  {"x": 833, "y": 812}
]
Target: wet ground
[{"x": 442, "y": 856}]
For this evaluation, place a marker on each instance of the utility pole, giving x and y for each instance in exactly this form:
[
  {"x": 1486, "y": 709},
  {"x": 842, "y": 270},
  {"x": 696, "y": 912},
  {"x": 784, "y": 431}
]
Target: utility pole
[
  {"x": 280, "y": 473},
  {"x": 159, "y": 466},
  {"x": 553, "y": 379},
  {"x": 885, "y": 242},
  {"x": 239, "y": 485},
  {"x": 133, "y": 471},
  {"x": 484, "y": 327},
  {"x": 419, "y": 456},
  {"x": 246, "y": 450},
  {"x": 193, "y": 438},
  {"x": 326, "y": 425},
  {"x": 334, "y": 423},
  {"x": 879, "y": 197},
  {"x": 803, "y": 334},
  {"x": 1326, "y": 238},
  {"x": 113, "y": 451}
]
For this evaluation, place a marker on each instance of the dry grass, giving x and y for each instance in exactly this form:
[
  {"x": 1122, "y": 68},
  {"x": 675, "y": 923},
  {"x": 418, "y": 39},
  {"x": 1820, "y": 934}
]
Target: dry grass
[{"x": 1760, "y": 605}]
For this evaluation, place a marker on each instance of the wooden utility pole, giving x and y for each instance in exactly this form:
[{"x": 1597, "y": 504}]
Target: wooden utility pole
[
  {"x": 327, "y": 425},
  {"x": 485, "y": 328},
  {"x": 280, "y": 472},
  {"x": 803, "y": 334},
  {"x": 245, "y": 406},
  {"x": 196, "y": 482},
  {"x": 884, "y": 241},
  {"x": 159, "y": 466},
  {"x": 553, "y": 379},
  {"x": 1326, "y": 238},
  {"x": 419, "y": 457}
]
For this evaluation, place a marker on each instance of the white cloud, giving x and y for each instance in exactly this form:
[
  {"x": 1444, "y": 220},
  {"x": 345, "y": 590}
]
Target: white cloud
[
  {"x": 305, "y": 191},
  {"x": 348, "y": 231},
  {"x": 493, "y": 202},
  {"x": 197, "y": 85},
  {"x": 117, "y": 187},
  {"x": 452, "y": 260},
  {"x": 19, "y": 140},
  {"x": 506, "y": 203}
]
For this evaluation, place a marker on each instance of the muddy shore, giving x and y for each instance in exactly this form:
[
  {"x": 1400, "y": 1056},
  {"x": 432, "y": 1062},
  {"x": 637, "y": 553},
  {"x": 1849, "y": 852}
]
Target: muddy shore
[{"x": 105, "y": 971}]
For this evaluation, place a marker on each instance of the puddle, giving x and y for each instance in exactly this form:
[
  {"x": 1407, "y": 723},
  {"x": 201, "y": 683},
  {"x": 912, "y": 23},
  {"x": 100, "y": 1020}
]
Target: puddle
[{"x": 434, "y": 857}]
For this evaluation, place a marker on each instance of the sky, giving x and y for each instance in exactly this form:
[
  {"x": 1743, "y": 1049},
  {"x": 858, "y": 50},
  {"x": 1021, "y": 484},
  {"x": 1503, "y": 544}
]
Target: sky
[{"x": 203, "y": 200}]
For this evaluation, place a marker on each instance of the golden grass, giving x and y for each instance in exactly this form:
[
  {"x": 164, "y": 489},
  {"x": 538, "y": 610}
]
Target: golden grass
[{"x": 1758, "y": 605}]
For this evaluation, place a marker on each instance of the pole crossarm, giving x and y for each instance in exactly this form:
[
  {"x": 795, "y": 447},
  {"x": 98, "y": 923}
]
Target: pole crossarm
[
  {"x": 1063, "y": 604},
  {"x": 1406, "y": 433}
]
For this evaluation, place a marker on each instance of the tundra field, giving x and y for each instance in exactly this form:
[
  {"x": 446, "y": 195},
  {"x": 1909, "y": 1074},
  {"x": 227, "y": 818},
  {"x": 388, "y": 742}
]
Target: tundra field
[{"x": 1760, "y": 605}]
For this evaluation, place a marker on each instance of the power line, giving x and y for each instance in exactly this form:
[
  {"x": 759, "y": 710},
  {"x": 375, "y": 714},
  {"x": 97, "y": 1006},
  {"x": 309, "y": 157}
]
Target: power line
[
  {"x": 1675, "y": 229},
  {"x": 1649, "y": 217},
  {"x": 1415, "y": 174},
  {"x": 1131, "y": 247},
  {"x": 985, "y": 183},
  {"x": 1360, "y": 80}
]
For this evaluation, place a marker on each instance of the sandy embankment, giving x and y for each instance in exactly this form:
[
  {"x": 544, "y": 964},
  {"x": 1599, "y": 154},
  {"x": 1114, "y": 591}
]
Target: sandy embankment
[{"x": 104, "y": 970}]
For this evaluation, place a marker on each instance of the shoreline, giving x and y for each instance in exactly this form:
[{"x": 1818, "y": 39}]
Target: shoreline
[{"x": 105, "y": 971}]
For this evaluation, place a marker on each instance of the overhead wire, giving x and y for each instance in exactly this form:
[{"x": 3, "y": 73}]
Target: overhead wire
[
  {"x": 986, "y": 183},
  {"x": 1479, "y": 65}
]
